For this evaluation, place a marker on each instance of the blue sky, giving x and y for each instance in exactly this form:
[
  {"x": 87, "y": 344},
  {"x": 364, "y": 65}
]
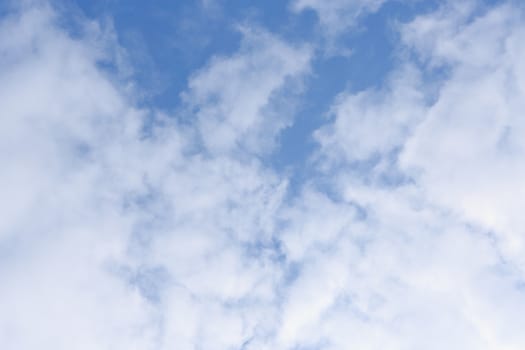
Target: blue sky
[
  {"x": 167, "y": 42},
  {"x": 300, "y": 174}
]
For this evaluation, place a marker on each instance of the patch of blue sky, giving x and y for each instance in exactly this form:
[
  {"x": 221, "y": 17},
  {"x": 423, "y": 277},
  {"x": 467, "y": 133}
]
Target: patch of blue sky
[
  {"x": 168, "y": 41},
  {"x": 373, "y": 57}
]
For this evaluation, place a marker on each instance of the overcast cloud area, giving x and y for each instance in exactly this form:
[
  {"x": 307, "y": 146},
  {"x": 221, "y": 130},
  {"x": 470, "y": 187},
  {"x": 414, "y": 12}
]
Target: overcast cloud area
[{"x": 149, "y": 200}]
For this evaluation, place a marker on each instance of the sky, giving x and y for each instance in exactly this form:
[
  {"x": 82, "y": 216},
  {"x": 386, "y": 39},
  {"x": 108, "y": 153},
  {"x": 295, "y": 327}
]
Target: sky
[{"x": 281, "y": 174}]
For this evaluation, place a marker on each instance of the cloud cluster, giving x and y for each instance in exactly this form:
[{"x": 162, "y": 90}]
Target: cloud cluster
[
  {"x": 244, "y": 100},
  {"x": 127, "y": 228},
  {"x": 434, "y": 158},
  {"x": 468, "y": 149}
]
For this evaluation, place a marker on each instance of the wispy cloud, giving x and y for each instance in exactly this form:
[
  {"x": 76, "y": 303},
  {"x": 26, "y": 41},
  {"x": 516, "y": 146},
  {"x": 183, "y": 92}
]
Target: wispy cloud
[
  {"x": 335, "y": 17},
  {"x": 238, "y": 99}
]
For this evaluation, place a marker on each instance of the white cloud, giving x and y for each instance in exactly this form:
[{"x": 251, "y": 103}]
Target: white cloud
[
  {"x": 468, "y": 148},
  {"x": 116, "y": 232},
  {"x": 123, "y": 228},
  {"x": 338, "y": 15},
  {"x": 441, "y": 256},
  {"x": 409, "y": 275},
  {"x": 238, "y": 99},
  {"x": 60, "y": 223},
  {"x": 394, "y": 109}
]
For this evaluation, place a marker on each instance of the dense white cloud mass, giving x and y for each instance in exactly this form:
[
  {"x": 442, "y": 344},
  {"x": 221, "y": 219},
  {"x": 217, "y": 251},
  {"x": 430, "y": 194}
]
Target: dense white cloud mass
[
  {"x": 64, "y": 131},
  {"x": 104, "y": 205},
  {"x": 448, "y": 227},
  {"x": 474, "y": 131},
  {"x": 125, "y": 228}
]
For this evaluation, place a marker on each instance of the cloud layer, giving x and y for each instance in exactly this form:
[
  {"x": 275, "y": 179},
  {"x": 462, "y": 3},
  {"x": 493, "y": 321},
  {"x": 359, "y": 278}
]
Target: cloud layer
[{"x": 129, "y": 227}]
